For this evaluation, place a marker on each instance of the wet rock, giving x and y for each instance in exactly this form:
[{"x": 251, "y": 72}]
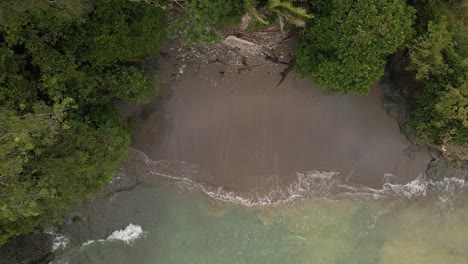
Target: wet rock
[
  {"x": 400, "y": 92},
  {"x": 399, "y": 109},
  {"x": 441, "y": 168},
  {"x": 34, "y": 248},
  {"x": 437, "y": 169},
  {"x": 76, "y": 219}
]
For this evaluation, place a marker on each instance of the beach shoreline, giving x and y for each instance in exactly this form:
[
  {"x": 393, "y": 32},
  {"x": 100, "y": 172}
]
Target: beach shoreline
[{"x": 244, "y": 131}]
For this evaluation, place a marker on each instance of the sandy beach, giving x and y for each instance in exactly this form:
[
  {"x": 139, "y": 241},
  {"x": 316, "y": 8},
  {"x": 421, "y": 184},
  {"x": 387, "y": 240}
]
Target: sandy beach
[{"x": 243, "y": 130}]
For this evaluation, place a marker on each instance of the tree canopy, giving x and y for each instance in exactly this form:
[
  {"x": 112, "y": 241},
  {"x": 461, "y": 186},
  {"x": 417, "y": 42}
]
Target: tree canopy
[
  {"x": 439, "y": 58},
  {"x": 345, "y": 47},
  {"x": 62, "y": 65}
]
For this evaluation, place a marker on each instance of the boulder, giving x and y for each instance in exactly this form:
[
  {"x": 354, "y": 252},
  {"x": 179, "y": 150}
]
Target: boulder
[{"x": 35, "y": 248}]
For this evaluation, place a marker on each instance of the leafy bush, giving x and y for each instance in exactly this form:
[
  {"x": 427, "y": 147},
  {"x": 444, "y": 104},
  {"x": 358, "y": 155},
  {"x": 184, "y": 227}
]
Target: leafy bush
[
  {"x": 439, "y": 59},
  {"x": 345, "y": 48},
  {"x": 427, "y": 54},
  {"x": 442, "y": 118},
  {"x": 200, "y": 21}
]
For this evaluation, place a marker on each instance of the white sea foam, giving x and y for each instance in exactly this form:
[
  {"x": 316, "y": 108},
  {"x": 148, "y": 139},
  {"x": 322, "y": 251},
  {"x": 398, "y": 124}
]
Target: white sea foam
[
  {"x": 60, "y": 242},
  {"x": 128, "y": 235},
  {"x": 311, "y": 184},
  {"x": 415, "y": 188},
  {"x": 329, "y": 185},
  {"x": 89, "y": 242}
]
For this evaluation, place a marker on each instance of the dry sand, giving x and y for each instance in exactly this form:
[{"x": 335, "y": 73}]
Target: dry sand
[{"x": 244, "y": 130}]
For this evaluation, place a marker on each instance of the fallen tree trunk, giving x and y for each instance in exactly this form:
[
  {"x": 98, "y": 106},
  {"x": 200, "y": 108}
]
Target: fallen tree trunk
[{"x": 286, "y": 71}]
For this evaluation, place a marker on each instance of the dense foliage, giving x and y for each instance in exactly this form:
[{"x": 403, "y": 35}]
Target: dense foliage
[
  {"x": 284, "y": 9},
  {"x": 345, "y": 48},
  {"x": 62, "y": 65},
  {"x": 439, "y": 58},
  {"x": 200, "y": 21}
]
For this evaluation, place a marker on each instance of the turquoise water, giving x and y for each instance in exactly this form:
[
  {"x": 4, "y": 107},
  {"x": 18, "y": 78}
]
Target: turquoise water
[{"x": 414, "y": 223}]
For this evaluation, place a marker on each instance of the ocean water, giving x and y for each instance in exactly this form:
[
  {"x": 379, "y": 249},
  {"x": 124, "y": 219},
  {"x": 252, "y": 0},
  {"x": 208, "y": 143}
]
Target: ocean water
[{"x": 167, "y": 218}]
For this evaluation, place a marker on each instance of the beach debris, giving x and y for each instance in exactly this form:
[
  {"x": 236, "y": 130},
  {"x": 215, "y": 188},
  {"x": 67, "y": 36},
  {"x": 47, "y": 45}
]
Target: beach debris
[
  {"x": 217, "y": 60},
  {"x": 274, "y": 59},
  {"x": 243, "y": 46},
  {"x": 232, "y": 39},
  {"x": 237, "y": 50},
  {"x": 247, "y": 69},
  {"x": 289, "y": 38},
  {"x": 286, "y": 71},
  {"x": 244, "y": 61}
]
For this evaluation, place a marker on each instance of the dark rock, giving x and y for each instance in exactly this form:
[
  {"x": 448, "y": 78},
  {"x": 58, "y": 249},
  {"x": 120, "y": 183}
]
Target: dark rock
[
  {"x": 441, "y": 168},
  {"x": 76, "y": 219},
  {"x": 437, "y": 169},
  {"x": 34, "y": 248},
  {"x": 399, "y": 93}
]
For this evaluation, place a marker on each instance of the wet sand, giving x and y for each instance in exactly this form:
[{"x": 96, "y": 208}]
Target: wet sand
[{"x": 244, "y": 131}]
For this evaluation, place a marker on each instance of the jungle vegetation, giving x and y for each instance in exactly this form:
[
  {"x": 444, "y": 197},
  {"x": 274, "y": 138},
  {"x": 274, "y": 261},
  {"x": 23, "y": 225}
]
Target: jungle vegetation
[{"x": 65, "y": 63}]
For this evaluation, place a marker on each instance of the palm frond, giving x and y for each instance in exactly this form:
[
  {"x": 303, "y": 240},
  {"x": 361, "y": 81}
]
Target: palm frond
[
  {"x": 251, "y": 7},
  {"x": 285, "y": 8}
]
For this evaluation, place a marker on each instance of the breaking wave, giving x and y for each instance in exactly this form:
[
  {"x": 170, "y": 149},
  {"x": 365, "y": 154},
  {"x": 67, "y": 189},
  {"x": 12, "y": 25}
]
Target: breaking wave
[
  {"x": 128, "y": 235},
  {"x": 59, "y": 241},
  {"x": 311, "y": 184}
]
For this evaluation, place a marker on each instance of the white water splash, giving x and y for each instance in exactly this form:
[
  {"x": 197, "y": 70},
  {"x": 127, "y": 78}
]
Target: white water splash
[
  {"x": 128, "y": 235},
  {"x": 89, "y": 242},
  {"x": 60, "y": 242},
  {"x": 415, "y": 188}
]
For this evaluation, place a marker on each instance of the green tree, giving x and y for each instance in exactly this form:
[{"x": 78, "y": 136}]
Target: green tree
[
  {"x": 200, "y": 21},
  {"x": 345, "y": 48},
  {"x": 427, "y": 54},
  {"x": 442, "y": 116},
  {"x": 439, "y": 58},
  {"x": 285, "y": 9},
  {"x": 63, "y": 64}
]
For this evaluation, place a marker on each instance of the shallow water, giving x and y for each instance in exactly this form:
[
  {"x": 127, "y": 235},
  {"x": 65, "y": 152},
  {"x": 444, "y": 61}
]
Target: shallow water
[{"x": 319, "y": 220}]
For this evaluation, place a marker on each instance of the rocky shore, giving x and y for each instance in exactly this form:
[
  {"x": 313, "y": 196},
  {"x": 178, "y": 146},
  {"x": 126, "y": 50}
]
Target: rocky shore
[
  {"x": 399, "y": 98},
  {"x": 29, "y": 249}
]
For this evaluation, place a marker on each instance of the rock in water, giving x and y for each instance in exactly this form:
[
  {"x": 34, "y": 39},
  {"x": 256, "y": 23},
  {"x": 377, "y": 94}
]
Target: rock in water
[{"x": 33, "y": 248}]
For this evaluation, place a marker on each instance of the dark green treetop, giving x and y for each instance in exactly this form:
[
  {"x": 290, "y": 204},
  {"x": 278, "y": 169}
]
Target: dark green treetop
[{"x": 346, "y": 46}]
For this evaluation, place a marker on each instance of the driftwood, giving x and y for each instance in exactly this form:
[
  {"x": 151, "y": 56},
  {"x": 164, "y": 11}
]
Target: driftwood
[
  {"x": 243, "y": 41},
  {"x": 288, "y": 39},
  {"x": 247, "y": 69},
  {"x": 217, "y": 61},
  {"x": 274, "y": 59},
  {"x": 286, "y": 71}
]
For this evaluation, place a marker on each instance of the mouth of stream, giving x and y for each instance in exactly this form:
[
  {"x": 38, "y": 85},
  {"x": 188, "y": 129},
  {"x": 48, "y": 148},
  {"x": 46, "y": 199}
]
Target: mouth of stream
[{"x": 155, "y": 212}]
